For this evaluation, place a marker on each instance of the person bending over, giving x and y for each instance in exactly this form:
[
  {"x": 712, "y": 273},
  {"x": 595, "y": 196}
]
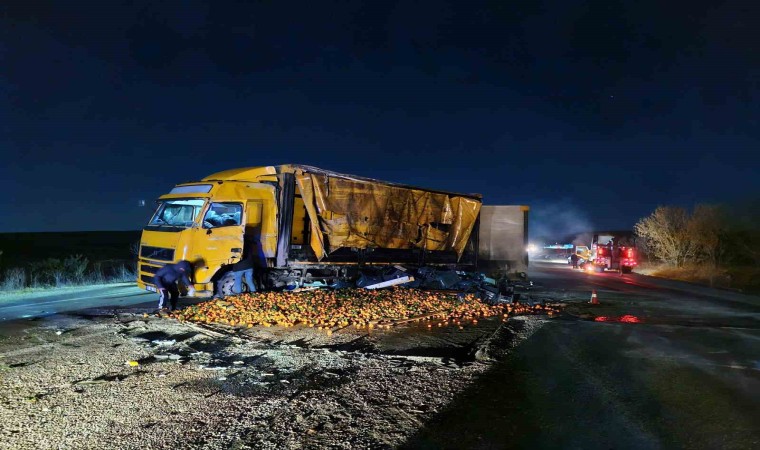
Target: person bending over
[{"x": 166, "y": 280}]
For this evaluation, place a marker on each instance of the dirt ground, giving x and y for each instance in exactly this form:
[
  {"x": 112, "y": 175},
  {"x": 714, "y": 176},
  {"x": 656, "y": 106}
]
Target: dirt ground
[{"x": 67, "y": 382}]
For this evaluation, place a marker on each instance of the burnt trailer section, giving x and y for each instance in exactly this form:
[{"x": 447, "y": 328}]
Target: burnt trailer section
[
  {"x": 310, "y": 226},
  {"x": 329, "y": 225},
  {"x": 503, "y": 239},
  {"x": 362, "y": 220}
]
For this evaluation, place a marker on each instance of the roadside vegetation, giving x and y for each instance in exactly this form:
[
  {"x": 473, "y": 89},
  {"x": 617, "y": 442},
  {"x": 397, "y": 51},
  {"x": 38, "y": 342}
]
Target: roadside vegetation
[
  {"x": 74, "y": 270},
  {"x": 35, "y": 261},
  {"x": 709, "y": 244}
]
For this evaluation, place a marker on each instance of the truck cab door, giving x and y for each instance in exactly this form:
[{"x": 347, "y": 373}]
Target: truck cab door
[
  {"x": 223, "y": 229},
  {"x": 254, "y": 219}
]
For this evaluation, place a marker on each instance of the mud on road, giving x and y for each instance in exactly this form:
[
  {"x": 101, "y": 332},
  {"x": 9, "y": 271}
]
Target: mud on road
[{"x": 67, "y": 382}]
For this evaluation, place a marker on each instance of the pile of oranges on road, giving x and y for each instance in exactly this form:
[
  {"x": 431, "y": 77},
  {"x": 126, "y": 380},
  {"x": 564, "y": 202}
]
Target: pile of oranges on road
[{"x": 360, "y": 308}]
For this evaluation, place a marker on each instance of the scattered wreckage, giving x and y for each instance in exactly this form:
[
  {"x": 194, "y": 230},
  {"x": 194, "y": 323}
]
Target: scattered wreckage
[
  {"x": 377, "y": 299},
  {"x": 489, "y": 290},
  {"x": 335, "y": 310},
  {"x": 310, "y": 225}
]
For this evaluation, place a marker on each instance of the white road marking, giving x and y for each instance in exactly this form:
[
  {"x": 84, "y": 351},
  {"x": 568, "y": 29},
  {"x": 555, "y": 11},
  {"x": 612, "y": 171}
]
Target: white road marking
[{"x": 50, "y": 302}]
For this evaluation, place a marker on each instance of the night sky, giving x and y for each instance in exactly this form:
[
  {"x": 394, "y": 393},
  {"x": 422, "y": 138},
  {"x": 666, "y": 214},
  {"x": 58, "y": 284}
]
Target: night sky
[{"x": 593, "y": 113}]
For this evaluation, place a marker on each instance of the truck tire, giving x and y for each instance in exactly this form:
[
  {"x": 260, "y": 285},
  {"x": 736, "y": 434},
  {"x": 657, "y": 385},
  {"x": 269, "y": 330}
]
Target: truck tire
[
  {"x": 598, "y": 269},
  {"x": 225, "y": 284},
  {"x": 626, "y": 269}
]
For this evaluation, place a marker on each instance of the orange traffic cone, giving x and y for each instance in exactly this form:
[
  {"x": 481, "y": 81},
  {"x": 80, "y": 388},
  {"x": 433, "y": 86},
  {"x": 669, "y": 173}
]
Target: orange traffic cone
[{"x": 594, "y": 299}]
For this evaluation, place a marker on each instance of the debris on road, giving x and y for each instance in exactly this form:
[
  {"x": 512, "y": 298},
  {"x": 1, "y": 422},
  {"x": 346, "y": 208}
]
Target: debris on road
[
  {"x": 389, "y": 283},
  {"x": 623, "y": 319},
  {"x": 342, "y": 308},
  {"x": 227, "y": 387},
  {"x": 491, "y": 290}
]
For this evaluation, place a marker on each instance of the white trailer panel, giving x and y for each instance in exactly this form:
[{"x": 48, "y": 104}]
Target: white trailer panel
[{"x": 503, "y": 238}]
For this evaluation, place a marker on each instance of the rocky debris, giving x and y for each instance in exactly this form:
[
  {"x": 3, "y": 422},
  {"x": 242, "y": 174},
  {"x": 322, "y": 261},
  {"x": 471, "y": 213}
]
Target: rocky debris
[{"x": 195, "y": 387}]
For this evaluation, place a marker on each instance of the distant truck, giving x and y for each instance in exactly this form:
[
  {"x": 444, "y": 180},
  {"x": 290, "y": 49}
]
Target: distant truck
[
  {"x": 309, "y": 224},
  {"x": 583, "y": 252},
  {"x": 613, "y": 252},
  {"x": 557, "y": 251}
]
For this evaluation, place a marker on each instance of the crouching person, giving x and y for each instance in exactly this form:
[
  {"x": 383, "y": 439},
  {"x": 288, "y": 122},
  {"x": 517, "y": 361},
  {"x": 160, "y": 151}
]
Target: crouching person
[{"x": 166, "y": 280}]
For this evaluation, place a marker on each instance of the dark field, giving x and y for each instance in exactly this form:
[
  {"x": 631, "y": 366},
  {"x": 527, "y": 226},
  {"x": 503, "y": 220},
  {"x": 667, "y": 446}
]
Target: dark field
[{"x": 20, "y": 249}]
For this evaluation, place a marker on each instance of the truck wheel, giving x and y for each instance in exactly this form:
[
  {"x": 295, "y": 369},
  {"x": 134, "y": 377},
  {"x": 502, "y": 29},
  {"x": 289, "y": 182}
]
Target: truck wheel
[
  {"x": 225, "y": 284},
  {"x": 598, "y": 269},
  {"x": 626, "y": 269}
]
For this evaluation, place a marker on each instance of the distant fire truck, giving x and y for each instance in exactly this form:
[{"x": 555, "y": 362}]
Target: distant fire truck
[{"x": 611, "y": 252}]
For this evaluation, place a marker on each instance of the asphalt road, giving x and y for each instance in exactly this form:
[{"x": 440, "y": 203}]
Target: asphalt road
[
  {"x": 658, "y": 364},
  {"x": 96, "y": 299}
]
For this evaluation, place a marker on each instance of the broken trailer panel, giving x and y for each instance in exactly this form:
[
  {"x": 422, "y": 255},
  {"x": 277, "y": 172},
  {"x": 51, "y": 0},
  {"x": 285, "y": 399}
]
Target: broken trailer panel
[
  {"x": 311, "y": 226},
  {"x": 503, "y": 239}
]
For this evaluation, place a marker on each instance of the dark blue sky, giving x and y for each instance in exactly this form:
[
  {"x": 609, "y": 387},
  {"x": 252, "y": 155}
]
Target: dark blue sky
[{"x": 591, "y": 112}]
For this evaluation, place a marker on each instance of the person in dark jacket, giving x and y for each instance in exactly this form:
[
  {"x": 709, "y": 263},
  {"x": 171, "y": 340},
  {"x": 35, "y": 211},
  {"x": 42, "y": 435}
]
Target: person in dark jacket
[
  {"x": 166, "y": 280},
  {"x": 574, "y": 260}
]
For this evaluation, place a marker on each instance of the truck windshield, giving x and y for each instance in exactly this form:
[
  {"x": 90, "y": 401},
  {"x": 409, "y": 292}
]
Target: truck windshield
[{"x": 176, "y": 213}]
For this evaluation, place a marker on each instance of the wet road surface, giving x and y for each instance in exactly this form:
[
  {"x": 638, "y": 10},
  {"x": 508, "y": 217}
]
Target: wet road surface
[
  {"x": 658, "y": 364},
  {"x": 95, "y": 298}
]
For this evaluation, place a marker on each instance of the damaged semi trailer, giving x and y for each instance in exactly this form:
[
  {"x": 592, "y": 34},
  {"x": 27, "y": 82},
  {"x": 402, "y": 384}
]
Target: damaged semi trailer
[{"x": 307, "y": 225}]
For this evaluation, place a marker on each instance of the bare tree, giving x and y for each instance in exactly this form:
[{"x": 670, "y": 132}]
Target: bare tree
[
  {"x": 709, "y": 229},
  {"x": 748, "y": 246},
  {"x": 666, "y": 235},
  {"x": 745, "y": 232}
]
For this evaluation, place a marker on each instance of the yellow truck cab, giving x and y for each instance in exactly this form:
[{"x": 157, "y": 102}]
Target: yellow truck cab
[
  {"x": 583, "y": 252},
  {"x": 306, "y": 224},
  {"x": 204, "y": 223}
]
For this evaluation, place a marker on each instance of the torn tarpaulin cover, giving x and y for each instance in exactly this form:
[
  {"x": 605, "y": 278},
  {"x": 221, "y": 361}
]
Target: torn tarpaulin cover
[{"x": 362, "y": 213}]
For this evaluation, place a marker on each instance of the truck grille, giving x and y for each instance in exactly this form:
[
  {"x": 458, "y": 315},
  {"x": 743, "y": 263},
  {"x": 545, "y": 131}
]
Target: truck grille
[
  {"x": 147, "y": 279},
  {"x": 163, "y": 254},
  {"x": 149, "y": 269}
]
